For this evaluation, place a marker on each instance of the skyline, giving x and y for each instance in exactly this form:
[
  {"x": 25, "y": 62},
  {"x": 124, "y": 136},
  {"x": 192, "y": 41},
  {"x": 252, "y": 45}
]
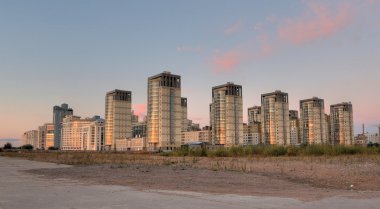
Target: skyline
[{"x": 103, "y": 48}]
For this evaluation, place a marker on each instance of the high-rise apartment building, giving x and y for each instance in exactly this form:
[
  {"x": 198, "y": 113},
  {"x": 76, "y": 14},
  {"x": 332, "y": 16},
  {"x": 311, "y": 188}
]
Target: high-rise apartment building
[
  {"x": 184, "y": 114},
  {"x": 342, "y": 123},
  {"x": 46, "y": 136},
  {"x": 294, "y": 127},
  {"x": 82, "y": 134},
  {"x": 275, "y": 118},
  {"x": 328, "y": 124},
  {"x": 60, "y": 112},
  {"x": 254, "y": 114},
  {"x": 164, "y": 114},
  {"x": 118, "y": 124},
  {"x": 313, "y": 126},
  {"x": 227, "y": 114}
]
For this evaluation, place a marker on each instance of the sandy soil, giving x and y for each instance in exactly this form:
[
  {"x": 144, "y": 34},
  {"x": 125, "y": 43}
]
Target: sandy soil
[{"x": 304, "y": 179}]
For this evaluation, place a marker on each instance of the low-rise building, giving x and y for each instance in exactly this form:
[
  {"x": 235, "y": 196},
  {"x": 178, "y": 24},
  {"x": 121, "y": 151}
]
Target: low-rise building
[
  {"x": 82, "y": 134},
  {"x": 131, "y": 144},
  {"x": 196, "y": 136}
]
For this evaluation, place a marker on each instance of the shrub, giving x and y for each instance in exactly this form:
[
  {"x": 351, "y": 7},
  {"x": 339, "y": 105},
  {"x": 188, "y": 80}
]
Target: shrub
[
  {"x": 7, "y": 145},
  {"x": 27, "y": 146}
]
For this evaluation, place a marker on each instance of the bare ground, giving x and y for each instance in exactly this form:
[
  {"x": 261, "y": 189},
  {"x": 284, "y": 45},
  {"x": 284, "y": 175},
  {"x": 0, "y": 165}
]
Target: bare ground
[{"x": 305, "y": 178}]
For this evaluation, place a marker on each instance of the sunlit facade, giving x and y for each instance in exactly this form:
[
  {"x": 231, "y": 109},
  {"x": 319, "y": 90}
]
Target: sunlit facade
[
  {"x": 118, "y": 117},
  {"x": 313, "y": 126},
  {"x": 226, "y": 114},
  {"x": 82, "y": 134},
  {"x": 164, "y": 114},
  {"x": 46, "y": 136},
  {"x": 342, "y": 124},
  {"x": 275, "y": 118}
]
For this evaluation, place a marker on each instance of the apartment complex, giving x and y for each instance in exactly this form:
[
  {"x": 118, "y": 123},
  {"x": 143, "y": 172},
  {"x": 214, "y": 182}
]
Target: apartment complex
[
  {"x": 164, "y": 114},
  {"x": 204, "y": 135},
  {"x": 60, "y": 112},
  {"x": 227, "y": 114},
  {"x": 294, "y": 127},
  {"x": 342, "y": 125},
  {"x": 46, "y": 136},
  {"x": 118, "y": 122},
  {"x": 313, "y": 126},
  {"x": 275, "y": 118},
  {"x": 82, "y": 134}
]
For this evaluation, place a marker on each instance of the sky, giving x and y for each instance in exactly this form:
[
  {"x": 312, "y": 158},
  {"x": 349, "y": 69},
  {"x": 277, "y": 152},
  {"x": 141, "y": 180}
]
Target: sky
[{"x": 74, "y": 51}]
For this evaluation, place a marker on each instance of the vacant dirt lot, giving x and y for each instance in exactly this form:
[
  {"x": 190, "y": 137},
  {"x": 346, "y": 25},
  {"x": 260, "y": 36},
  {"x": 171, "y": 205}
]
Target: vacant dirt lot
[{"x": 305, "y": 178}]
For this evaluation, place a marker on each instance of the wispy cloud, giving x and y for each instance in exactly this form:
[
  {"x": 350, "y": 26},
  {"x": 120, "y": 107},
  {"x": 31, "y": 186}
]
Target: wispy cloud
[
  {"x": 234, "y": 28},
  {"x": 140, "y": 110},
  {"x": 226, "y": 62},
  {"x": 318, "y": 22}
]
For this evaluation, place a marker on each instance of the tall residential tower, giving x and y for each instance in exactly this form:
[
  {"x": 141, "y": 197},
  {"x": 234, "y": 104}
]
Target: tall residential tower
[
  {"x": 164, "y": 114},
  {"x": 342, "y": 124},
  {"x": 275, "y": 118},
  {"x": 118, "y": 117},
  {"x": 227, "y": 114},
  {"x": 313, "y": 126}
]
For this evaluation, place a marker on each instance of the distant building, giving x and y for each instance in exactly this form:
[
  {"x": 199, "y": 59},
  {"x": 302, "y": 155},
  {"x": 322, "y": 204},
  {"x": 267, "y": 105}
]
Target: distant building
[
  {"x": 342, "y": 124},
  {"x": 254, "y": 114},
  {"x": 164, "y": 116},
  {"x": 252, "y": 133},
  {"x": 82, "y": 134},
  {"x": 139, "y": 130},
  {"x": 192, "y": 126},
  {"x": 131, "y": 144},
  {"x": 46, "y": 136},
  {"x": 31, "y": 137},
  {"x": 196, "y": 136},
  {"x": 184, "y": 114},
  {"x": 328, "y": 124},
  {"x": 313, "y": 125},
  {"x": 275, "y": 118},
  {"x": 227, "y": 114},
  {"x": 60, "y": 112},
  {"x": 294, "y": 127},
  {"x": 134, "y": 118},
  {"x": 118, "y": 122}
]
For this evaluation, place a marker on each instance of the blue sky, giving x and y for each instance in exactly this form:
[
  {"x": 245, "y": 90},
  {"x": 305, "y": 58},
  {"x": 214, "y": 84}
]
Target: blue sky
[{"x": 75, "y": 51}]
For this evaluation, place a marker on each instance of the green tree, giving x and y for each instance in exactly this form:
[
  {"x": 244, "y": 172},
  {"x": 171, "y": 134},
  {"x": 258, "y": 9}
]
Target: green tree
[{"x": 7, "y": 145}]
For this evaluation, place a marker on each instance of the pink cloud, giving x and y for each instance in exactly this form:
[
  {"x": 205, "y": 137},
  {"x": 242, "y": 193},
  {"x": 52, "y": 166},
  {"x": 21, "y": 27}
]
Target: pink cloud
[
  {"x": 140, "y": 110},
  {"x": 320, "y": 22},
  {"x": 226, "y": 62},
  {"x": 234, "y": 28}
]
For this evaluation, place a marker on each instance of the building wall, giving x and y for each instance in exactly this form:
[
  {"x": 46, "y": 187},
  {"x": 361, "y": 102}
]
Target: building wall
[
  {"x": 275, "y": 118},
  {"x": 131, "y": 144},
  {"x": 196, "y": 136},
  {"x": 46, "y": 136},
  {"x": 227, "y": 115},
  {"x": 342, "y": 124},
  {"x": 313, "y": 125},
  {"x": 165, "y": 114},
  {"x": 118, "y": 117}
]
